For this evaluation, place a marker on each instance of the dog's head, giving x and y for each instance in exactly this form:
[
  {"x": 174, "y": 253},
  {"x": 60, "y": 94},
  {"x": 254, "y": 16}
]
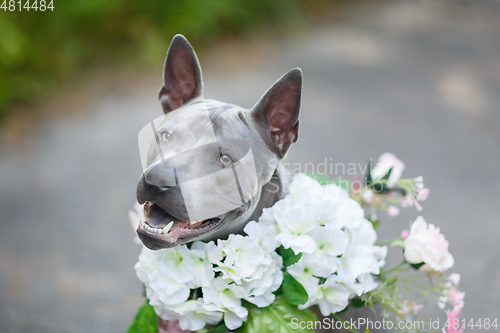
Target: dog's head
[{"x": 205, "y": 161}]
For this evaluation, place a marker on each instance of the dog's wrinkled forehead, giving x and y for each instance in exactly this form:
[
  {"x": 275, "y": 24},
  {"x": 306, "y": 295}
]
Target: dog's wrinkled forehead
[{"x": 185, "y": 149}]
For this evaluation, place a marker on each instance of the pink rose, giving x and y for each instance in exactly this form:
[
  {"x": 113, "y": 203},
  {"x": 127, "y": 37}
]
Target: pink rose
[
  {"x": 385, "y": 163},
  {"x": 426, "y": 244}
]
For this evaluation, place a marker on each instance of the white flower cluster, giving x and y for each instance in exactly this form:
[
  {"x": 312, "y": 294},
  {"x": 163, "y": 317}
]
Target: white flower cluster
[
  {"x": 205, "y": 283},
  {"x": 227, "y": 272},
  {"x": 337, "y": 242}
]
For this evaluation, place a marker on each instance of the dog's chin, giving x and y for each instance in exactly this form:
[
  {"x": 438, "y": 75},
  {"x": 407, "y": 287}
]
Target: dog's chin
[{"x": 162, "y": 230}]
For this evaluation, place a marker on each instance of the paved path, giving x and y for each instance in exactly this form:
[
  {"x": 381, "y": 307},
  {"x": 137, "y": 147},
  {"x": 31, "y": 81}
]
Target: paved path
[{"x": 420, "y": 79}]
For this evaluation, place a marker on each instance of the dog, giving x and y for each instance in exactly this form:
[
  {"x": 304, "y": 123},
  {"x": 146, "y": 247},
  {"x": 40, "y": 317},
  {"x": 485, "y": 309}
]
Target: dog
[{"x": 209, "y": 166}]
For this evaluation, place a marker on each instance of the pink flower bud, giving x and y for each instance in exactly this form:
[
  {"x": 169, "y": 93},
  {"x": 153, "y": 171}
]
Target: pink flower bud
[
  {"x": 452, "y": 319},
  {"x": 454, "y": 278},
  {"x": 423, "y": 194},
  {"x": 367, "y": 196},
  {"x": 392, "y": 211}
]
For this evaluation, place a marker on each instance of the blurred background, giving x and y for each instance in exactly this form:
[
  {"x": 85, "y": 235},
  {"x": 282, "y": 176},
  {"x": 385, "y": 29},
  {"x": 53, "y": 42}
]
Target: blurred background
[{"x": 420, "y": 79}]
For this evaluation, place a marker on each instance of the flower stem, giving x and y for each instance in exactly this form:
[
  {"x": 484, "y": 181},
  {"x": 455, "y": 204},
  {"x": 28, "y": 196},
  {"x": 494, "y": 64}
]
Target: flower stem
[
  {"x": 392, "y": 269},
  {"x": 387, "y": 242}
]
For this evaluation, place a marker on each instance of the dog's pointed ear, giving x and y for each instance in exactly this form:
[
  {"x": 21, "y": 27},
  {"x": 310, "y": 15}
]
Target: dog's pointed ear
[
  {"x": 277, "y": 112},
  {"x": 182, "y": 80}
]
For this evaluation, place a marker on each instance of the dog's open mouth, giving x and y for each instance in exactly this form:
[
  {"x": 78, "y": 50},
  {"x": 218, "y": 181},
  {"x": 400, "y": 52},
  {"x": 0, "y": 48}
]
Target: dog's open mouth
[{"x": 160, "y": 229}]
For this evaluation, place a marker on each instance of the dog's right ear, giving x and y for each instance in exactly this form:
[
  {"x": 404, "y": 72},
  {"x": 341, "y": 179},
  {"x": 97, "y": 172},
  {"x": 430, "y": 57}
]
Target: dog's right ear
[
  {"x": 182, "y": 80},
  {"x": 277, "y": 112}
]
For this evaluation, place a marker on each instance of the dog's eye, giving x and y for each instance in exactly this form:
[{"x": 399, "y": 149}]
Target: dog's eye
[
  {"x": 164, "y": 136},
  {"x": 224, "y": 159}
]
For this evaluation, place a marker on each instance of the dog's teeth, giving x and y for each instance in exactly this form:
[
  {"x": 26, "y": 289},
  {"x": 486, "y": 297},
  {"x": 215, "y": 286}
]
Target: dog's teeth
[{"x": 166, "y": 229}]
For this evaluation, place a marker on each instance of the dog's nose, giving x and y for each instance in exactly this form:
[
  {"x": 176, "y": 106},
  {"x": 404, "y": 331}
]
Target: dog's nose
[
  {"x": 148, "y": 192},
  {"x": 156, "y": 180}
]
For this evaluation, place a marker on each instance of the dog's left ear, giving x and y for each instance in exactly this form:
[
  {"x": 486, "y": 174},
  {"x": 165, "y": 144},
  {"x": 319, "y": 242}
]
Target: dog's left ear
[
  {"x": 182, "y": 80},
  {"x": 277, "y": 112}
]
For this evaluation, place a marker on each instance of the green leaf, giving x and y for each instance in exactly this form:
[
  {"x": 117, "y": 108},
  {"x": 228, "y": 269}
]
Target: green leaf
[
  {"x": 279, "y": 317},
  {"x": 357, "y": 302},
  {"x": 320, "y": 178},
  {"x": 289, "y": 257},
  {"x": 293, "y": 290},
  {"x": 375, "y": 223},
  {"x": 369, "y": 174},
  {"x": 381, "y": 187},
  {"x": 219, "y": 329},
  {"x": 343, "y": 183},
  {"x": 417, "y": 266},
  {"x": 387, "y": 175},
  {"x": 145, "y": 321}
]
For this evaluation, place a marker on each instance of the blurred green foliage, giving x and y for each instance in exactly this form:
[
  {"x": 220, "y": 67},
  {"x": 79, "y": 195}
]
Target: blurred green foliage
[{"x": 39, "y": 49}]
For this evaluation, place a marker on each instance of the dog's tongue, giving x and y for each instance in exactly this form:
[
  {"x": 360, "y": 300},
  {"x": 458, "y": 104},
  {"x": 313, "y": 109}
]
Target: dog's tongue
[{"x": 158, "y": 217}]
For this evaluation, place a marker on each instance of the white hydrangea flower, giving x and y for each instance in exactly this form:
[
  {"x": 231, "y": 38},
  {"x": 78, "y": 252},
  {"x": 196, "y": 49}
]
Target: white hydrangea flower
[
  {"x": 335, "y": 296},
  {"x": 330, "y": 242},
  {"x": 294, "y": 224},
  {"x": 268, "y": 276},
  {"x": 194, "y": 315},
  {"x": 304, "y": 272},
  {"x": 350, "y": 214},
  {"x": 260, "y": 232},
  {"x": 177, "y": 264},
  {"x": 335, "y": 192},
  {"x": 160, "y": 287},
  {"x": 305, "y": 189},
  {"x": 203, "y": 272},
  {"x": 227, "y": 297},
  {"x": 243, "y": 253}
]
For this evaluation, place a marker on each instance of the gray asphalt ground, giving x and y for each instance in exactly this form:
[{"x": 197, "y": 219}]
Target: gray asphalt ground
[{"x": 420, "y": 79}]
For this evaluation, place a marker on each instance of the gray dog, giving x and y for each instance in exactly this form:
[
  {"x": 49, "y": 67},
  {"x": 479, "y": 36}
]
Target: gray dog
[{"x": 210, "y": 167}]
